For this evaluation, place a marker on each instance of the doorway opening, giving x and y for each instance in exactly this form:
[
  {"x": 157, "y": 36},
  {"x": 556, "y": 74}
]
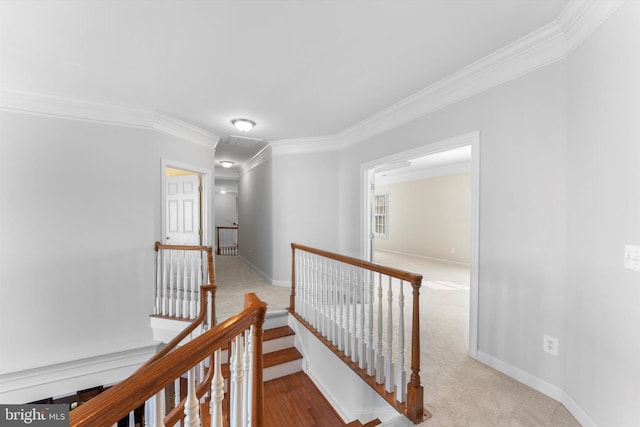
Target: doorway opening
[
  {"x": 414, "y": 206},
  {"x": 185, "y": 204}
]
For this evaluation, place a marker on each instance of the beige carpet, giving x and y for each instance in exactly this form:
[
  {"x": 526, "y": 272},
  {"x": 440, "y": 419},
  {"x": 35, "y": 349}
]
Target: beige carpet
[
  {"x": 458, "y": 390},
  {"x": 235, "y": 278}
]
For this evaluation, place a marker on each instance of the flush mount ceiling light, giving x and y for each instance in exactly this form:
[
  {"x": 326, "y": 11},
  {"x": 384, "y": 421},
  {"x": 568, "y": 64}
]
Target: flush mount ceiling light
[
  {"x": 243, "y": 125},
  {"x": 226, "y": 163}
]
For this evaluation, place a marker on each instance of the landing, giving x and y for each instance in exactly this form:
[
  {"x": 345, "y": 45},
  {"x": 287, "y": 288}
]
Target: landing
[{"x": 235, "y": 278}]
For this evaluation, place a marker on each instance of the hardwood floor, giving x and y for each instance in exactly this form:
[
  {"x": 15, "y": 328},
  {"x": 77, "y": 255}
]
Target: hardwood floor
[{"x": 295, "y": 401}]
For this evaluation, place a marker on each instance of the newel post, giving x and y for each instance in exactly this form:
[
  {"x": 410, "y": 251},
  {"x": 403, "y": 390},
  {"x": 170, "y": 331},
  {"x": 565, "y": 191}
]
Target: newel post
[
  {"x": 257, "y": 398},
  {"x": 292, "y": 298},
  {"x": 212, "y": 282},
  {"x": 415, "y": 392}
]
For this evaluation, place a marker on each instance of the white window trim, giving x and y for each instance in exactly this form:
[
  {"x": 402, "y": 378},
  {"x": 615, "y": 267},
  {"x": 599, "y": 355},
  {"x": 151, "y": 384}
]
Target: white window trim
[{"x": 384, "y": 235}]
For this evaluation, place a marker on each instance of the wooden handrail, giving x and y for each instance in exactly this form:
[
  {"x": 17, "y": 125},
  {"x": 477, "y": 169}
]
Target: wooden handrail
[
  {"x": 110, "y": 406},
  {"x": 389, "y": 271},
  {"x": 415, "y": 403}
]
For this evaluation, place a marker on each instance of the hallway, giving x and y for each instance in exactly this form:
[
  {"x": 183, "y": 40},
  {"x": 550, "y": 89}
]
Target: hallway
[{"x": 235, "y": 278}]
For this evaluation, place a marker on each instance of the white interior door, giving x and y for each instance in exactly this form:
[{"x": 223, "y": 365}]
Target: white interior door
[{"x": 183, "y": 210}]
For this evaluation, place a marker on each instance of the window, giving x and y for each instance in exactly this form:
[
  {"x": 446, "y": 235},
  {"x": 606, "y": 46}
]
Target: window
[{"x": 380, "y": 214}]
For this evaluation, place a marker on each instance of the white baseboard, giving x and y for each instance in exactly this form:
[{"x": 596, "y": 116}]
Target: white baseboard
[
  {"x": 283, "y": 283},
  {"x": 540, "y": 385},
  {"x": 63, "y": 379},
  {"x": 257, "y": 270},
  {"x": 465, "y": 264}
]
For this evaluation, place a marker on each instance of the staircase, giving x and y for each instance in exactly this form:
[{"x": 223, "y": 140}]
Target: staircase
[
  {"x": 281, "y": 358},
  {"x": 289, "y": 393}
]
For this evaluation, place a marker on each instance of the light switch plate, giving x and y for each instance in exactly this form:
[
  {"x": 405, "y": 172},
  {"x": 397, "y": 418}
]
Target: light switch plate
[{"x": 632, "y": 257}]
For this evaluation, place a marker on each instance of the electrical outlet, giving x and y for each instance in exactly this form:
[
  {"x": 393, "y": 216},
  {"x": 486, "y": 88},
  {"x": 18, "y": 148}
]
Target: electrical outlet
[
  {"x": 632, "y": 257},
  {"x": 550, "y": 345}
]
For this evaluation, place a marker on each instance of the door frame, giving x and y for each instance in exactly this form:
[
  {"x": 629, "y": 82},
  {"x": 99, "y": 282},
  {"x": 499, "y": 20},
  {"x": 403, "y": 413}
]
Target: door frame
[
  {"x": 205, "y": 176},
  {"x": 368, "y": 179}
]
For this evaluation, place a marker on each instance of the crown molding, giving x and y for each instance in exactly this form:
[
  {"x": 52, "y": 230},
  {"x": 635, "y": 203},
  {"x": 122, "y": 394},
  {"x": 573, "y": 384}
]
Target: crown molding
[
  {"x": 582, "y": 17},
  {"x": 261, "y": 157},
  {"x": 100, "y": 112},
  {"x": 306, "y": 145},
  {"x": 168, "y": 124},
  {"x": 546, "y": 45}
]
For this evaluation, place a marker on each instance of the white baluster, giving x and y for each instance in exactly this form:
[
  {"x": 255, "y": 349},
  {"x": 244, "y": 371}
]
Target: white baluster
[
  {"x": 235, "y": 242},
  {"x": 171, "y": 283},
  {"x": 189, "y": 302},
  {"x": 165, "y": 285},
  {"x": 388, "y": 360},
  {"x": 305, "y": 286},
  {"x": 158, "y": 307},
  {"x": 362, "y": 354},
  {"x": 245, "y": 381},
  {"x": 401, "y": 380},
  {"x": 181, "y": 282},
  {"x": 299, "y": 282},
  {"x": 185, "y": 284},
  {"x": 217, "y": 391},
  {"x": 158, "y": 418},
  {"x": 192, "y": 404},
  {"x": 176, "y": 392},
  {"x": 322, "y": 271},
  {"x": 341, "y": 290},
  {"x": 316, "y": 293},
  {"x": 354, "y": 319},
  {"x": 251, "y": 376},
  {"x": 379, "y": 349},
  {"x": 236, "y": 382},
  {"x": 310, "y": 310},
  {"x": 370, "y": 344},
  {"x": 304, "y": 280},
  {"x": 132, "y": 419},
  {"x": 149, "y": 410},
  {"x": 347, "y": 324},
  {"x": 330, "y": 301}
]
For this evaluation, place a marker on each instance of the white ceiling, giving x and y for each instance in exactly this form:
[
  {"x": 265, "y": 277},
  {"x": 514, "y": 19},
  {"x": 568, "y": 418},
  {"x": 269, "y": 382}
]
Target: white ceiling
[{"x": 298, "y": 68}]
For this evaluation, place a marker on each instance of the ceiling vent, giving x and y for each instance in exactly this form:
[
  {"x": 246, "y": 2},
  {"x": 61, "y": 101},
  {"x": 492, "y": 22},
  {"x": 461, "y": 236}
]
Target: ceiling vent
[{"x": 243, "y": 141}]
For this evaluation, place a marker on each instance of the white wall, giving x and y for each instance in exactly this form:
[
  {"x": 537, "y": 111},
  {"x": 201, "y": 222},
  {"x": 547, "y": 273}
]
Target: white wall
[
  {"x": 226, "y": 206},
  {"x": 305, "y": 191},
  {"x": 429, "y": 218},
  {"x": 522, "y": 126},
  {"x": 256, "y": 211},
  {"x": 603, "y": 299},
  {"x": 79, "y": 215},
  {"x": 559, "y": 199}
]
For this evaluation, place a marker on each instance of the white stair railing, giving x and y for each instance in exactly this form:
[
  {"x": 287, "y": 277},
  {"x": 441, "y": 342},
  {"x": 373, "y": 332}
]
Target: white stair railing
[
  {"x": 204, "y": 393},
  {"x": 227, "y": 240},
  {"x": 180, "y": 272},
  {"x": 359, "y": 309}
]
